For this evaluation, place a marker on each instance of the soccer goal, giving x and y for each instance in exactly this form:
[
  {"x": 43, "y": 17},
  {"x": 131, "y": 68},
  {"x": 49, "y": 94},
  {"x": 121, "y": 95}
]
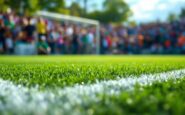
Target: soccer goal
[{"x": 61, "y": 17}]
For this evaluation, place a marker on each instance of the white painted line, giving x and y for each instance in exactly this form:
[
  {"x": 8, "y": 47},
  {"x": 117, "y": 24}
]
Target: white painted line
[{"x": 21, "y": 100}]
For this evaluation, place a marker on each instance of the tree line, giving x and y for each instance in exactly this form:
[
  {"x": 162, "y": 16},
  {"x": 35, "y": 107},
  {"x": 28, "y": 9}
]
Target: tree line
[
  {"x": 115, "y": 11},
  {"x": 112, "y": 11}
]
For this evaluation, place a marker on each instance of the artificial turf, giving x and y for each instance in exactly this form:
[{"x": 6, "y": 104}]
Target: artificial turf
[
  {"x": 61, "y": 71},
  {"x": 50, "y": 72}
]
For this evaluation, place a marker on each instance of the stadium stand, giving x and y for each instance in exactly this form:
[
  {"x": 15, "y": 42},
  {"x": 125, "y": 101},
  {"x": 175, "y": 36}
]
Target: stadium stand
[{"x": 28, "y": 36}]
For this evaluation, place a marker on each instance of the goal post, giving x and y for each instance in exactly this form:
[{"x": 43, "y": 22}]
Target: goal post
[{"x": 61, "y": 17}]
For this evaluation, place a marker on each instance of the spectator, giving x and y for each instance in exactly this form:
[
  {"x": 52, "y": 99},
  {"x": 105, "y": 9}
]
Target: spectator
[
  {"x": 42, "y": 46},
  {"x": 53, "y": 37},
  {"x": 90, "y": 41},
  {"x": 153, "y": 38},
  {"x": 41, "y": 28},
  {"x": 29, "y": 30},
  {"x": 75, "y": 41},
  {"x": 181, "y": 42},
  {"x": 9, "y": 42},
  {"x": 61, "y": 44},
  {"x": 2, "y": 35}
]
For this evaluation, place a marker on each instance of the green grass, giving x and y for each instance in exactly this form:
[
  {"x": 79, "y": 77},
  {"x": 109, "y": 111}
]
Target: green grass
[
  {"x": 61, "y": 71},
  {"x": 49, "y": 72},
  {"x": 166, "y": 98}
]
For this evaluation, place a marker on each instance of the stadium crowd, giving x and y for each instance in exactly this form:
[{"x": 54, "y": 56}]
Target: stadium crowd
[
  {"x": 19, "y": 33},
  {"x": 153, "y": 38}
]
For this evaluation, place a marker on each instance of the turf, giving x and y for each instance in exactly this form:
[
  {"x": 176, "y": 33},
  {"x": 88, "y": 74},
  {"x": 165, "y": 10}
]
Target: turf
[
  {"x": 50, "y": 72},
  {"x": 166, "y": 98},
  {"x": 61, "y": 71}
]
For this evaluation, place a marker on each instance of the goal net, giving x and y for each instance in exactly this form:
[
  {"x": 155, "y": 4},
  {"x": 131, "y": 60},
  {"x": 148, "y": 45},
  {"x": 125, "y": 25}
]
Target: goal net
[{"x": 75, "y": 20}]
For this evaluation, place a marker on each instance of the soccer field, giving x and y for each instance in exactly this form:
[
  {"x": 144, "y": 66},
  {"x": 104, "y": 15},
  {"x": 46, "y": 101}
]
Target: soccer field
[{"x": 92, "y": 85}]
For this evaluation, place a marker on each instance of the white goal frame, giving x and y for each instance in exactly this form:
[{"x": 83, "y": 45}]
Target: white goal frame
[{"x": 61, "y": 17}]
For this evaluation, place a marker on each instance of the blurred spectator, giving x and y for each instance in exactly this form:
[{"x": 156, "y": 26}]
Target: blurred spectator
[
  {"x": 42, "y": 46},
  {"x": 181, "y": 42},
  {"x": 23, "y": 35},
  {"x": 75, "y": 41},
  {"x": 9, "y": 42},
  {"x": 2, "y": 35},
  {"x": 41, "y": 28},
  {"x": 53, "y": 37},
  {"x": 61, "y": 43},
  {"x": 29, "y": 30}
]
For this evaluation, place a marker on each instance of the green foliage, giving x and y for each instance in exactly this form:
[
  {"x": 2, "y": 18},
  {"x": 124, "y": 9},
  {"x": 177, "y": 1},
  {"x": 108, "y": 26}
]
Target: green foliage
[
  {"x": 3, "y": 7},
  {"x": 172, "y": 17},
  {"x": 182, "y": 14},
  {"x": 52, "y": 5},
  {"x": 27, "y": 6},
  {"x": 76, "y": 10},
  {"x": 30, "y": 6},
  {"x": 116, "y": 11},
  {"x": 110, "y": 13}
]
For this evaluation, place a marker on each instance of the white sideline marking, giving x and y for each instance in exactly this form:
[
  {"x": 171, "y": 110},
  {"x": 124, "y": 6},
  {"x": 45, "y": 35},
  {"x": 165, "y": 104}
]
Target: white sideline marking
[{"x": 21, "y": 100}]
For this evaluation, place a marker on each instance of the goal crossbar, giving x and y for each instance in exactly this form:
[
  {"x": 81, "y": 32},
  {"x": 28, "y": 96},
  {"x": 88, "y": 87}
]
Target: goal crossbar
[{"x": 61, "y": 17}]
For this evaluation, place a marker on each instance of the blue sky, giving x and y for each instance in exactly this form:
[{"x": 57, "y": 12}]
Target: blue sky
[{"x": 145, "y": 10}]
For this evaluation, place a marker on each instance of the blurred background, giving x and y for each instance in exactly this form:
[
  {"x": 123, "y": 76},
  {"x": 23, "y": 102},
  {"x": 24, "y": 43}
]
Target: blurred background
[{"x": 59, "y": 27}]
